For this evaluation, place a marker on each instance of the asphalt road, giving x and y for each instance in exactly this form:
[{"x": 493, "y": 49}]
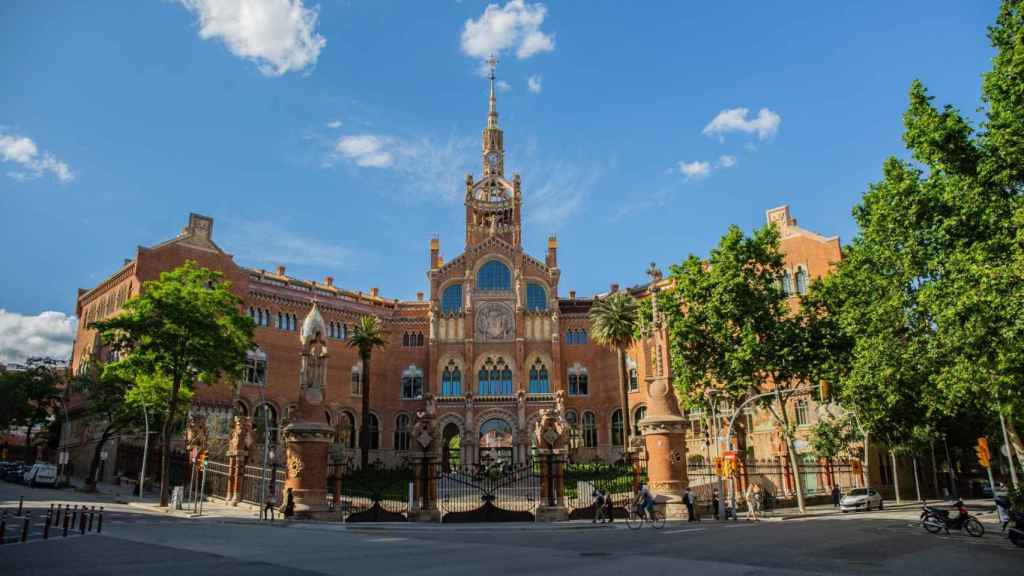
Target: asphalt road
[{"x": 875, "y": 543}]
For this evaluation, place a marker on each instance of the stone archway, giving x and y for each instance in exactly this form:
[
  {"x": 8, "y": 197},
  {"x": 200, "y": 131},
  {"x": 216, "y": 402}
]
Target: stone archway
[
  {"x": 451, "y": 447},
  {"x": 497, "y": 442}
]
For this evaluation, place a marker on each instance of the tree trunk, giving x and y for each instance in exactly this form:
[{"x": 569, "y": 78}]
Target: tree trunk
[
  {"x": 917, "y": 482},
  {"x": 165, "y": 443},
  {"x": 364, "y": 432},
  {"x": 895, "y": 476},
  {"x": 935, "y": 474},
  {"x": 866, "y": 462},
  {"x": 798, "y": 482},
  {"x": 30, "y": 454},
  {"x": 94, "y": 466},
  {"x": 624, "y": 382}
]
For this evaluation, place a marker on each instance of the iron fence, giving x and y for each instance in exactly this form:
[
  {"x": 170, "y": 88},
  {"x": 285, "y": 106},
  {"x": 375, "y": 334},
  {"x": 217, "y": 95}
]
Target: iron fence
[
  {"x": 255, "y": 478},
  {"x": 374, "y": 493},
  {"x": 216, "y": 480},
  {"x": 618, "y": 481},
  {"x": 499, "y": 492}
]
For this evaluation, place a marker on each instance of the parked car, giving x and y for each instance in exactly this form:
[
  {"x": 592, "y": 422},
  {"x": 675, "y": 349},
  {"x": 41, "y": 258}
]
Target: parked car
[
  {"x": 41, "y": 474},
  {"x": 861, "y": 499},
  {"x": 13, "y": 472}
]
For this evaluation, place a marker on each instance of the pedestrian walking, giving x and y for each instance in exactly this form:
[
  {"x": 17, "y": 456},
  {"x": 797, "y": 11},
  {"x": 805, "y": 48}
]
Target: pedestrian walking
[
  {"x": 753, "y": 501},
  {"x": 609, "y": 508},
  {"x": 714, "y": 503},
  {"x": 598, "y": 503},
  {"x": 691, "y": 511},
  {"x": 835, "y": 496},
  {"x": 268, "y": 508},
  {"x": 289, "y": 505}
]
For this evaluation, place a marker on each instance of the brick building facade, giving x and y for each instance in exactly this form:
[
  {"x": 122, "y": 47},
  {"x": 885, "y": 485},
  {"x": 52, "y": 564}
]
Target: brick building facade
[{"x": 491, "y": 342}]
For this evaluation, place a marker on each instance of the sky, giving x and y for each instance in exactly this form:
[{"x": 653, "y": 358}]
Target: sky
[{"x": 334, "y": 137}]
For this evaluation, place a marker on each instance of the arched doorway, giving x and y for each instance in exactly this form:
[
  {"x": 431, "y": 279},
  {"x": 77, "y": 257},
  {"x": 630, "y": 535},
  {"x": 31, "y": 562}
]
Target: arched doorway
[
  {"x": 451, "y": 449},
  {"x": 496, "y": 442}
]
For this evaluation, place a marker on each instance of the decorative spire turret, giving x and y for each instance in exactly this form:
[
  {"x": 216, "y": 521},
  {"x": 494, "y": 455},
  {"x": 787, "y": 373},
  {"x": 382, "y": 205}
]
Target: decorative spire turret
[
  {"x": 492, "y": 102},
  {"x": 493, "y": 149}
]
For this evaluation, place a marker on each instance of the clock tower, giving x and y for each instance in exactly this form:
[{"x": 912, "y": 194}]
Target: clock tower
[{"x": 493, "y": 202}]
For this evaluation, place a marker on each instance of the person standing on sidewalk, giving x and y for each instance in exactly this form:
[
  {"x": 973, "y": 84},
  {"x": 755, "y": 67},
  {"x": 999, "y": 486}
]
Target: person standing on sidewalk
[
  {"x": 691, "y": 513},
  {"x": 609, "y": 508},
  {"x": 599, "y": 497},
  {"x": 714, "y": 503},
  {"x": 835, "y": 496}
]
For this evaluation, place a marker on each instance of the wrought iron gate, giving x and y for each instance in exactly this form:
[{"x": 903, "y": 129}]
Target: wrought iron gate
[
  {"x": 376, "y": 494},
  {"x": 498, "y": 493},
  {"x": 618, "y": 481}
]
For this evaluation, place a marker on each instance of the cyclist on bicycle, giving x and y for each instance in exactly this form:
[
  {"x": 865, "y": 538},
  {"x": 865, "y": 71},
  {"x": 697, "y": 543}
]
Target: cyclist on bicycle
[{"x": 644, "y": 501}]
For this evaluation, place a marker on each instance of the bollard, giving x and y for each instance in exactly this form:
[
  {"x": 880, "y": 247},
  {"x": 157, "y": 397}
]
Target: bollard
[
  {"x": 81, "y": 521},
  {"x": 99, "y": 525},
  {"x": 50, "y": 515},
  {"x": 63, "y": 514},
  {"x": 46, "y": 529},
  {"x": 74, "y": 516},
  {"x": 91, "y": 514},
  {"x": 65, "y": 535},
  {"x": 3, "y": 526},
  {"x": 55, "y": 515},
  {"x": 24, "y": 529},
  {"x": 21, "y": 502}
]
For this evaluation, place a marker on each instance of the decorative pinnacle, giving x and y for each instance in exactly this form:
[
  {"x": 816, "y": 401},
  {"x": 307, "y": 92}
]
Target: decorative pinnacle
[{"x": 492, "y": 103}]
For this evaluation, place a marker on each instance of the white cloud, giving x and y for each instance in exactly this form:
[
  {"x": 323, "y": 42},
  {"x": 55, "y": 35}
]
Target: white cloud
[
  {"x": 503, "y": 86},
  {"x": 534, "y": 83},
  {"x": 695, "y": 170},
  {"x": 278, "y": 35},
  {"x": 726, "y": 161},
  {"x": 765, "y": 124},
  {"x": 365, "y": 150},
  {"x": 22, "y": 151},
  {"x": 257, "y": 241},
  {"x": 49, "y": 334},
  {"x": 514, "y": 26},
  {"x": 334, "y": 124}
]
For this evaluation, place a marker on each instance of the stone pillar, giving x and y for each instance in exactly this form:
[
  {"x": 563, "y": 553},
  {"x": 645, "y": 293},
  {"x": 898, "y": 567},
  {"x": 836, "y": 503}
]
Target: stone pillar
[
  {"x": 663, "y": 427},
  {"x": 239, "y": 442},
  {"x": 308, "y": 436},
  {"x": 550, "y": 436},
  {"x": 425, "y": 465}
]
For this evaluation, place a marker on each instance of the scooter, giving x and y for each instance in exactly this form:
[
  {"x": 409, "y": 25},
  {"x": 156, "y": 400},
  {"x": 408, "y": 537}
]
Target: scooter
[
  {"x": 1013, "y": 522},
  {"x": 936, "y": 519}
]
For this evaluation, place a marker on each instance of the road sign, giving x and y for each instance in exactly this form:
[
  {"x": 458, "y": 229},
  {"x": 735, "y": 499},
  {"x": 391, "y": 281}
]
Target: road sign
[
  {"x": 981, "y": 450},
  {"x": 63, "y": 458}
]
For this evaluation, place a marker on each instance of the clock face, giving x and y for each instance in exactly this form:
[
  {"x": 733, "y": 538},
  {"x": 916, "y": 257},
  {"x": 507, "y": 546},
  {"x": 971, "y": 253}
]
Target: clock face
[{"x": 492, "y": 160}]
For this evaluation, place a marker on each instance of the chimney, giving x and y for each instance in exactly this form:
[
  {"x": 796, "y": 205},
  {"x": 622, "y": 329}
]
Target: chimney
[
  {"x": 127, "y": 261},
  {"x": 435, "y": 253},
  {"x": 329, "y": 280},
  {"x": 280, "y": 270},
  {"x": 572, "y": 294},
  {"x": 613, "y": 288},
  {"x": 552, "y": 259},
  {"x": 374, "y": 292},
  {"x": 419, "y": 296}
]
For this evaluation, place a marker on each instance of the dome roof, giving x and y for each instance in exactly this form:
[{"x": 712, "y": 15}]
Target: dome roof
[{"x": 313, "y": 323}]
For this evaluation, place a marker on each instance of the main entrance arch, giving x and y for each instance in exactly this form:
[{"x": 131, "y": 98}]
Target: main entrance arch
[{"x": 496, "y": 442}]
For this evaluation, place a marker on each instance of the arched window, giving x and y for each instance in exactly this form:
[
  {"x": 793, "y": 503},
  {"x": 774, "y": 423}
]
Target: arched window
[
  {"x": 419, "y": 338},
  {"x": 589, "y": 430},
  {"x": 638, "y": 415},
  {"x": 264, "y": 423},
  {"x": 357, "y": 379},
  {"x": 494, "y": 378},
  {"x": 617, "y": 427},
  {"x": 494, "y": 276},
  {"x": 347, "y": 430},
  {"x": 801, "y": 280},
  {"x": 412, "y": 383},
  {"x": 255, "y": 367},
  {"x": 328, "y": 418},
  {"x": 572, "y": 419},
  {"x": 451, "y": 380},
  {"x": 578, "y": 384},
  {"x": 632, "y": 375},
  {"x": 581, "y": 336},
  {"x": 374, "y": 432},
  {"x": 402, "y": 432},
  {"x": 451, "y": 299},
  {"x": 801, "y": 413},
  {"x": 539, "y": 378},
  {"x": 405, "y": 339},
  {"x": 241, "y": 409},
  {"x": 787, "y": 283},
  {"x": 536, "y": 297},
  {"x": 569, "y": 337}
]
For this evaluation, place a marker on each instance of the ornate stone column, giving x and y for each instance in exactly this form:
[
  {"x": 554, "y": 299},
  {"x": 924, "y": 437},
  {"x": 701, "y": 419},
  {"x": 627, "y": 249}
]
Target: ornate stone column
[
  {"x": 238, "y": 449},
  {"x": 425, "y": 463},
  {"x": 663, "y": 427},
  {"x": 550, "y": 436},
  {"x": 308, "y": 436}
]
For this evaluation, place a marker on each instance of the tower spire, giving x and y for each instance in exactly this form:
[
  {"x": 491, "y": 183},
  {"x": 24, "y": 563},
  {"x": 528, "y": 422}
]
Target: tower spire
[{"x": 492, "y": 102}]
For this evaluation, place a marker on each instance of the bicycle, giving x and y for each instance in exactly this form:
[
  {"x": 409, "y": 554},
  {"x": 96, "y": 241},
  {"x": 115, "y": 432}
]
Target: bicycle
[{"x": 637, "y": 516}]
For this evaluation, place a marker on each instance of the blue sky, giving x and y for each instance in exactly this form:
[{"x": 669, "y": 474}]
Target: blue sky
[{"x": 119, "y": 118}]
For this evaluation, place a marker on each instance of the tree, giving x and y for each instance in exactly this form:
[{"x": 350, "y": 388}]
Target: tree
[
  {"x": 30, "y": 396},
  {"x": 732, "y": 333},
  {"x": 106, "y": 405},
  {"x": 367, "y": 335},
  {"x": 186, "y": 326},
  {"x": 613, "y": 320}
]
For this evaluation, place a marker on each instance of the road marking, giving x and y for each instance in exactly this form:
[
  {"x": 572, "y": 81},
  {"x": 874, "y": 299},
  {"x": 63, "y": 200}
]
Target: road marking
[
  {"x": 385, "y": 539},
  {"x": 687, "y": 530}
]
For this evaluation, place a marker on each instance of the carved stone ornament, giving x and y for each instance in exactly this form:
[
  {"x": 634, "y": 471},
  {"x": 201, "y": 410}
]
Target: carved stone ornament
[
  {"x": 550, "y": 430},
  {"x": 197, "y": 432},
  {"x": 495, "y": 321},
  {"x": 294, "y": 466}
]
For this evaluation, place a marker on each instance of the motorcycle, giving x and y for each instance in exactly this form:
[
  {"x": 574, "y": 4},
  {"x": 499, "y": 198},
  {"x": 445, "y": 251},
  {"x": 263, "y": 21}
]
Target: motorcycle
[
  {"x": 935, "y": 519},
  {"x": 1012, "y": 520}
]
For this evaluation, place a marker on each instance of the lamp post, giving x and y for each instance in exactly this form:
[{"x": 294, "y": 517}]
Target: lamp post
[{"x": 145, "y": 452}]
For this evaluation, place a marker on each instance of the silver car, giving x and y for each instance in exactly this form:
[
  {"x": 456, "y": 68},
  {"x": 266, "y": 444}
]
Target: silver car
[{"x": 861, "y": 499}]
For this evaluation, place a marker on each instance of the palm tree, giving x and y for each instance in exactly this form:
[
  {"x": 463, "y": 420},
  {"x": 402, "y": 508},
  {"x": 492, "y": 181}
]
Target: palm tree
[
  {"x": 612, "y": 320},
  {"x": 367, "y": 335}
]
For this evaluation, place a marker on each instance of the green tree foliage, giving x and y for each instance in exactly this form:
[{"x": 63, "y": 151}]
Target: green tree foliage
[
  {"x": 30, "y": 397},
  {"x": 105, "y": 405},
  {"x": 367, "y": 335},
  {"x": 932, "y": 289},
  {"x": 613, "y": 321},
  {"x": 186, "y": 326},
  {"x": 732, "y": 334}
]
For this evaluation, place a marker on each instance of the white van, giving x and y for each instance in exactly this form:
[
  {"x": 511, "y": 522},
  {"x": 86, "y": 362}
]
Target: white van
[{"x": 41, "y": 475}]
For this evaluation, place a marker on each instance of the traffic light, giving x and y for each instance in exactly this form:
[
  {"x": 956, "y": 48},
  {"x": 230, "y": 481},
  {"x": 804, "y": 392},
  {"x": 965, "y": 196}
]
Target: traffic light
[
  {"x": 718, "y": 466},
  {"x": 982, "y": 452}
]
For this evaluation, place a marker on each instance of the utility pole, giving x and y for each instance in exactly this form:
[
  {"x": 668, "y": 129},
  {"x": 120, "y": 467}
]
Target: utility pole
[
  {"x": 952, "y": 476},
  {"x": 1009, "y": 451},
  {"x": 145, "y": 452}
]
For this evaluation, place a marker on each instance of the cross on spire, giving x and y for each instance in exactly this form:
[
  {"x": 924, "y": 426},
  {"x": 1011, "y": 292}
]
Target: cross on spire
[{"x": 492, "y": 102}]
